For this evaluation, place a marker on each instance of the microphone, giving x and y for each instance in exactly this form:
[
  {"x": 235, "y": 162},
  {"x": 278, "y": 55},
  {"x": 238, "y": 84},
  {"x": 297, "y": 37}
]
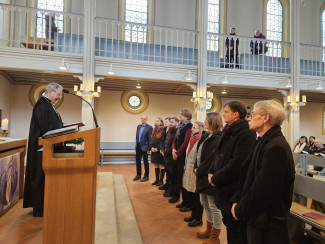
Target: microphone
[{"x": 67, "y": 91}]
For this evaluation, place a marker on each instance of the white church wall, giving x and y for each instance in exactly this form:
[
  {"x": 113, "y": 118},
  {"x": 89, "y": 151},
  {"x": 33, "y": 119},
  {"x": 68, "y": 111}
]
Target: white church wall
[{"x": 5, "y": 99}]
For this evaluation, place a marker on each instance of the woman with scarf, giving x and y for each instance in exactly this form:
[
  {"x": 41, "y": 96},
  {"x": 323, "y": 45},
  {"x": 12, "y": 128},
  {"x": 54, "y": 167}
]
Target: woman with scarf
[
  {"x": 189, "y": 178},
  {"x": 156, "y": 158}
]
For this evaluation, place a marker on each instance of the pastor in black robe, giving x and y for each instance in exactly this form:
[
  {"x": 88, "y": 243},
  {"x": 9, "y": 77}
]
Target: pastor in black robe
[{"x": 44, "y": 119}]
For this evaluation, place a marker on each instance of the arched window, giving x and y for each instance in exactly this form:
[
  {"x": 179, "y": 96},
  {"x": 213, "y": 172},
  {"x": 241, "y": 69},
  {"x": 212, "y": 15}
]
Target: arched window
[
  {"x": 136, "y": 11},
  {"x": 43, "y": 19},
  {"x": 323, "y": 26},
  {"x": 213, "y": 24}
]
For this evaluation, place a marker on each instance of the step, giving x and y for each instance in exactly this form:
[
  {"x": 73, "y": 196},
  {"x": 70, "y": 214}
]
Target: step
[
  {"x": 127, "y": 227},
  {"x": 105, "y": 224}
]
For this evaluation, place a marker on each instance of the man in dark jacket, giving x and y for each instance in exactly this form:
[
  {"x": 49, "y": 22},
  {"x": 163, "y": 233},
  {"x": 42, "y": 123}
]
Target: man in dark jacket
[
  {"x": 258, "y": 47},
  {"x": 232, "y": 48},
  {"x": 268, "y": 179},
  {"x": 142, "y": 148},
  {"x": 44, "y": 118},
  {"x": 235, "y": 145},
  {"x": 180, "y": 144}
]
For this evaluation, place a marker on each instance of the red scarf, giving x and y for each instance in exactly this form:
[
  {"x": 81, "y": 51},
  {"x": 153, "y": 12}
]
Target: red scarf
[{"x": 193, "y": 139}]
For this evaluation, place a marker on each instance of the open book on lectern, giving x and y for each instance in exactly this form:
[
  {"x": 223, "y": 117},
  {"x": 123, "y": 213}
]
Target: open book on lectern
[{"x": 61, "y": 131}]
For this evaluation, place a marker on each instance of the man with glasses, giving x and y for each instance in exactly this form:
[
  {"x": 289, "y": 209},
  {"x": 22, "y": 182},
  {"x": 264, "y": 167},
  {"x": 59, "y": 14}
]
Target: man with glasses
[{"x": 44, "y": 118}]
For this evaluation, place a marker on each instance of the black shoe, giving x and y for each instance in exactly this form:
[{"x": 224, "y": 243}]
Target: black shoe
[
  {"x": 180, "y": 205},
  {"x": 189, "y": 219},
  {"x": 155, "y": 182},
  {"x": 163, "y": 187},
  {"x": 173, "y": 200},
  {"x": 184, "y": 209},
  {"x": 160, "y": 183},
  {"x": 137, "y": 177},
  {"x": 167, "y": 194},
  {"x": 195, "y": 223},
  {"x": 145, "y": 178},
  {"x": 37, "y": 212}
]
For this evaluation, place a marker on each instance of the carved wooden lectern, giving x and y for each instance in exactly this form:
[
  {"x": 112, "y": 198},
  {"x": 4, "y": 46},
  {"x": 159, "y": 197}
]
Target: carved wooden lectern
[{"x": 70, "y": 189}]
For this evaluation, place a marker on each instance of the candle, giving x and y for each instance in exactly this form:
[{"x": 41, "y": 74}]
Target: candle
[
  {"x": 211, "y": 95},
  {"x": 4, "y": 124},
  {"x": 304, "y": 99},
  {"x": 297, "y": 98},
  {"x": 81, "y": 87},
  {"x": 99, "y": 89},
  {"x": 194, "y": 94},
  {"x": 75, "y": 88},
  {"x": 289, "y": 99}
]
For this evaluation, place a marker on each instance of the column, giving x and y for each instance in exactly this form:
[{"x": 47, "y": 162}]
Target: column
[
  {"x": 202, "y": 59},
  {"x": 88, "y": 61},
  {"x": 294, "y": 117}
]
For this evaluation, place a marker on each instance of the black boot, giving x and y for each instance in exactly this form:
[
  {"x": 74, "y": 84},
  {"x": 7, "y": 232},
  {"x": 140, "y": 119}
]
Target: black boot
[
  {"x": 162, "y": 176},
  {"x": 157, "y": 176}
]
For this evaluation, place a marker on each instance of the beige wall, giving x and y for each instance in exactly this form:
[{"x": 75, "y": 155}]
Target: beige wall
[
  {"x": 5, "y": 98},
  {"x": 311, "y": 120}
]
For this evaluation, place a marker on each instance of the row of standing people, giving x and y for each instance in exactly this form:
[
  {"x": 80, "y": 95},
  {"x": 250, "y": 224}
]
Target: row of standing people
[{"x": 245, "y": 183}]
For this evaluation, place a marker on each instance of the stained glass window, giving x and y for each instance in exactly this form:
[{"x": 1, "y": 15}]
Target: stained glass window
[
  {"x": 274, "y": 19},
  {"x": 44, "y": 18},
  {"x": 136, "y": 11},
  {"x": 134, "y": 101},
  {"x": 213, "y": 24}
]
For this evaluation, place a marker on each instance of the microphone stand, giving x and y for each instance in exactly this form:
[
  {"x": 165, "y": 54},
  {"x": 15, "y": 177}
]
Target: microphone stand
[{"x": 92, "y": 109}]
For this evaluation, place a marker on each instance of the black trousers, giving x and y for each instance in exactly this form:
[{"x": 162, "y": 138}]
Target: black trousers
[
  {"x": 236, "y": 232},
  {"x": 197, "y": 208},
  {"x": 138, "y": 155}
]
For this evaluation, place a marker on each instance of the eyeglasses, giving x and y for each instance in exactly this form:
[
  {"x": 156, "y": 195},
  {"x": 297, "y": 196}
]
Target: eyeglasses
[{"x": 59, "y": 94}]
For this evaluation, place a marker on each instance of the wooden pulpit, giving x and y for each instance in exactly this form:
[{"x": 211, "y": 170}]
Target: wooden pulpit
[{"x": 70, "y": 189}]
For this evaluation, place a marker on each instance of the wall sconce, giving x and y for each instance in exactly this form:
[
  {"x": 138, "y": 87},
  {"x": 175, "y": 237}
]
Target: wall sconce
[
  {"x": 201, "y": 98},
  {"x": 225, "y": 81},
  {"x": 188, "y": 77},
  {"x": 319, "y": 87},
  {"x": 224, "y": 92},
  {"x": 297, "y": 102},
  {"x": 82, "y": 91},
  {"x": 110, "y": 70},
  {"x": 138, "y": 86},
  {"x": 289, "y": 84},
  {"x": 63, "y": 66}
]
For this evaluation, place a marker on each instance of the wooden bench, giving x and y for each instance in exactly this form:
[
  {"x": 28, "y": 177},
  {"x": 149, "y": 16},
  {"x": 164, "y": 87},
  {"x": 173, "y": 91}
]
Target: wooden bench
[{"x": 117, "y": 150}]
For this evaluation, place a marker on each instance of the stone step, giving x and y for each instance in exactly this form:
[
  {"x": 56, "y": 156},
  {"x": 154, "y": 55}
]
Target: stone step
[
  {"x": 127, "y": 228},
  {"x": 105, "y": 224}
]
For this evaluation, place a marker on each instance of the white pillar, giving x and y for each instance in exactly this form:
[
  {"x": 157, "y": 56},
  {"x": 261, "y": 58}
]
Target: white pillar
[
  {"x": 294, "y": 118},
  {"x": 88, "y": 61},
  {"x": 202, "y": 59}
]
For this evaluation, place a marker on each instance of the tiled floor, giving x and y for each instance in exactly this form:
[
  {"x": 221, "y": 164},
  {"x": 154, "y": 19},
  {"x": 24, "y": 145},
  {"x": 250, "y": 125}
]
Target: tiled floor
[{"x": 158, "y": 220}]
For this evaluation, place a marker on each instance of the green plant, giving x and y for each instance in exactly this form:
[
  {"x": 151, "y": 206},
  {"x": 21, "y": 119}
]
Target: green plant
[{"x": 77, "y": 141}]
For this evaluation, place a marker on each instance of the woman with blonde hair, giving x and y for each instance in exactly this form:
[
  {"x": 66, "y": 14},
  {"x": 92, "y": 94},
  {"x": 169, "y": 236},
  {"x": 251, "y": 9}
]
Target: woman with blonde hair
[
  {"x": 207, "y": 149},
  {"x": 156, "y": 158},
  {"x": 189, "y": 178}
]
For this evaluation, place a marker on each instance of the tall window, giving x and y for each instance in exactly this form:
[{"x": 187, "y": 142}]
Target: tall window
[
  {"x": 136, "y": 11},
  {"x": 213, "y": 24},
  {"x": 274, "y": 18},
  {"x": 43, "y": 19},
  {"x": 323, "y": 28}
]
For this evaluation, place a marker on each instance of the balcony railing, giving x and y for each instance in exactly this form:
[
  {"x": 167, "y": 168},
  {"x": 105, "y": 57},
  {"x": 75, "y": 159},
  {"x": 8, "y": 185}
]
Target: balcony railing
[
  {"x": 312, "y": 60},
  {"x": 126, "y": 40}
]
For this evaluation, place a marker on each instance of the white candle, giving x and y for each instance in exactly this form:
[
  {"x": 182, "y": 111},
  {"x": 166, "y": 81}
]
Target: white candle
[
  {"x": 297, "y": 98},
  {"x": 4, "y": 124},
  {"x": 304, "y": 99},
  {"x": 75, "y": 88},
  {"x": 99, "y": 89},
  {"x": 211, "y": 95},
  {"x": 289, "y": 99},
  {"x": 194, "y": 94},
  {"x": 208, "y": 94},
  {"x": 81, "y": 87}
]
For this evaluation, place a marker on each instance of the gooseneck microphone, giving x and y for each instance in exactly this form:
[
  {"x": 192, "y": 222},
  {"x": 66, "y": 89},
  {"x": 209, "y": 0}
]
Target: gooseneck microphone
[{"x": 66, "y": 91}]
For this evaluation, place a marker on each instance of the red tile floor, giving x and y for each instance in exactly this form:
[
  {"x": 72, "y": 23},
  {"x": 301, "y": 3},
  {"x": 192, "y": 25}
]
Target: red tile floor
[{"x": 158, "y": 220}]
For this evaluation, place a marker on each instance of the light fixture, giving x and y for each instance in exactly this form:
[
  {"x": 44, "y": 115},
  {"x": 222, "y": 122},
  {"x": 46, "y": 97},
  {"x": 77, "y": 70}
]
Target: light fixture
[
  {"x": 110, "y": 70},
  {"x": 4, "y": 125},
  {"x": 63, "y": 66},
  {"x": 319, "y": 87},
  {"x": 188, "y": 77},
  {"x": 82, "y": 91},
  {"x": 296, "y": 103},
  {"x": 138, "y": 86},
  {"x": 289, "y": 84},
  {"x": 225, "y": 81},
  {"x": 201, "y": 97},
  {"x": 224, "y": 92}
]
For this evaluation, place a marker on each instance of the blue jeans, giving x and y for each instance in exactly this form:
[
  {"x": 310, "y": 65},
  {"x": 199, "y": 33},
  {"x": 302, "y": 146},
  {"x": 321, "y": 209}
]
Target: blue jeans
[{"x": 212, "y": 212}]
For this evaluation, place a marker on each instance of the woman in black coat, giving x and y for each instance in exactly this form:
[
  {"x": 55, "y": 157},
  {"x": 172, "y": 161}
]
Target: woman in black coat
[{"x": 207, "y": 149}]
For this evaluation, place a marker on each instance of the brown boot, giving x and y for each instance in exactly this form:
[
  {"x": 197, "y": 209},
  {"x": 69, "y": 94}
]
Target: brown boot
[
  {"x": 214, "y": 237},
  {"x": 205, "y": 234}
]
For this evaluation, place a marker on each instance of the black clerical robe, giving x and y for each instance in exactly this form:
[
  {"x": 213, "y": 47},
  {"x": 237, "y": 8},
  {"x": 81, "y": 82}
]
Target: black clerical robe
[{"x": 44, "y": 119}]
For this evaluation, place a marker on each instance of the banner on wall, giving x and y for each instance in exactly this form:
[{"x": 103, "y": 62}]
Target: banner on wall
[{"x": 9, "y": 180}]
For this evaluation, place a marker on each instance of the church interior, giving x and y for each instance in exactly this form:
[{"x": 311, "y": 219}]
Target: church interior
[{"x": 129, "y": 58}]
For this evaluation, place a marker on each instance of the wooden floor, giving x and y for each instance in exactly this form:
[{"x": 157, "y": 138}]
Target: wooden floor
[{"x": 158, "y": 220}]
